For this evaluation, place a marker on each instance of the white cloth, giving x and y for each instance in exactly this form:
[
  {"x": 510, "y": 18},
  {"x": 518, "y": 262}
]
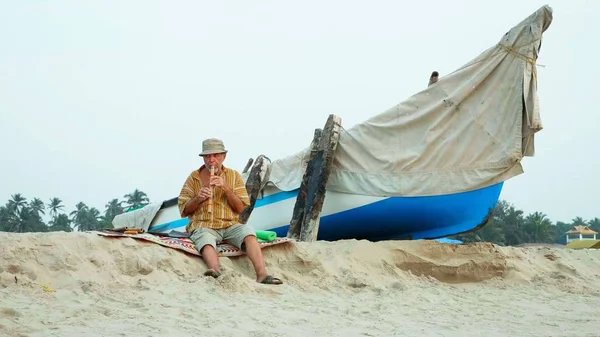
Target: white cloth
[
  {"x": 467, "y": 131},
  {"x": 140, "y": 218}
]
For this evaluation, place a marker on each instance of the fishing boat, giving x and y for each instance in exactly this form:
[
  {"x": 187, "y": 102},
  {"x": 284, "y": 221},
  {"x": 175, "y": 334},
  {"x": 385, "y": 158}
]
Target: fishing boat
[{"x": 429, "y": 167}]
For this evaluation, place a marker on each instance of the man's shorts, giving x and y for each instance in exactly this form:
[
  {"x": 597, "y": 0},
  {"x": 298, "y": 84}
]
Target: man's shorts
[{"x": 234, "y": 235}]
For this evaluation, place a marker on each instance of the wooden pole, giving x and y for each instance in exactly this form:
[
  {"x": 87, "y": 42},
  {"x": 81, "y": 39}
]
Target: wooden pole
[
  {"x": 309, "y": 203},
  {"x": 299, "y": 207},
  {"x": 433, "y": 78},
  {"x": 317, "y": 184},
  {"x": 254, "y": 185},
  {"x": 248, "y": 164}
]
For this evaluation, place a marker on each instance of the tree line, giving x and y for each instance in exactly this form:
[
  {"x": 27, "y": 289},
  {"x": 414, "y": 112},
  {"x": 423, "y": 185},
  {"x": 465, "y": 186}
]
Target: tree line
[
  {"x": 21, "y": 215},
  {"x": 508, "y": 225}
]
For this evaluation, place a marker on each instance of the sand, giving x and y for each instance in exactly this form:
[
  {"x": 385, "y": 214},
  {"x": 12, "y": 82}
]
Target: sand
[{"x": 82, "y": 284}]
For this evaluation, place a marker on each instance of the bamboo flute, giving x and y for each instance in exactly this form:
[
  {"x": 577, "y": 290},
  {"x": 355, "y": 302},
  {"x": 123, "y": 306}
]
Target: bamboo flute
[{"x": 210, "y": 200}]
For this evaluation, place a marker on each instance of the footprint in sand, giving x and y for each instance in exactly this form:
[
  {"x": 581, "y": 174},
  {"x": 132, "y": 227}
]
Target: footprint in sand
[{"x": 9, "y": 312}]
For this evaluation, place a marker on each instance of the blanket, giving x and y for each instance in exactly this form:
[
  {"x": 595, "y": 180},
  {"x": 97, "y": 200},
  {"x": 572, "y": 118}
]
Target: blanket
[{"x": 223, "y": 249}]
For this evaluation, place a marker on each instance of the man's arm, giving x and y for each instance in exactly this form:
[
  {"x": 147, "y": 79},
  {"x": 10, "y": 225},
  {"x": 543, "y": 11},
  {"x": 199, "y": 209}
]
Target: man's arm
[
  {"x": 237, "y": 196},
  {"x": 192, "y": 205},
  {"x": 188, "y": 200},
  {"x": 233, "y": 200}
]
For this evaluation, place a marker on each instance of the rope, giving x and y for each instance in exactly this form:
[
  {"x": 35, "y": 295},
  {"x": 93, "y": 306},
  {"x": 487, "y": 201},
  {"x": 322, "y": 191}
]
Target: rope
[
  {"x": 530, "y": 60},
  {"x": 513, "y": 51}
]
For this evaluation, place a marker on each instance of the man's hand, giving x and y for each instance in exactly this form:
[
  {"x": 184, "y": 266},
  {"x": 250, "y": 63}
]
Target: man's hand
[
  {"x": 192, "y": 205},
  {"x": 205, "y": 193},
  {"x": 217, "y": 181}
]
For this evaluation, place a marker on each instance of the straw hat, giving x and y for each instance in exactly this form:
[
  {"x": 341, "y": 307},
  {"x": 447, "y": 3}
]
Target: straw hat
[{"x": 211, "y": 146}]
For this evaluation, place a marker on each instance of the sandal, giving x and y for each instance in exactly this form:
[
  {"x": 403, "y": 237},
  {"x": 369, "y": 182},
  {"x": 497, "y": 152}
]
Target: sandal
[
  {"x": 212, "y": 272},
  {"x": 271, "y": 280}
]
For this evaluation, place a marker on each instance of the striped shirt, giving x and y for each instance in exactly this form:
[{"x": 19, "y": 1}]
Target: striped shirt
[{"x": 223, "y": 214}]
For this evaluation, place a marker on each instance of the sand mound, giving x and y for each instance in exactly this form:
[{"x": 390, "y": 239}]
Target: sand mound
[{"x": 74, "y": 283}]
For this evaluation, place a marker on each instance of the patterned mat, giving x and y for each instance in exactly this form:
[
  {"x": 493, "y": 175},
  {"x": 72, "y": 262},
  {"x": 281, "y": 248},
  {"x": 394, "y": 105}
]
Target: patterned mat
[{"x": 186, "y": 245}]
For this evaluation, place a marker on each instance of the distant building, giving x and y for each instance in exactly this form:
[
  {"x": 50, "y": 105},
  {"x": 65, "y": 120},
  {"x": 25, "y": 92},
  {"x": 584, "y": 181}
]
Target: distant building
[{"x": 578, "y": 233}]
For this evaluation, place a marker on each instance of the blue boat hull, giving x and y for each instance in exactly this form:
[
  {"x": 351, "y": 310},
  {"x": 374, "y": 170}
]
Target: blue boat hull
[{"x": 410, "y": 218}]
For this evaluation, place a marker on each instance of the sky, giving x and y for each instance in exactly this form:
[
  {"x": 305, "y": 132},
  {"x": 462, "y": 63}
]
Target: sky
[{"x": 98, "y": 98}]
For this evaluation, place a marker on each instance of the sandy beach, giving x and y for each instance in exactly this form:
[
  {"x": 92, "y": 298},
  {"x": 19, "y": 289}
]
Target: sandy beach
[{"x": 75, "y": 284}]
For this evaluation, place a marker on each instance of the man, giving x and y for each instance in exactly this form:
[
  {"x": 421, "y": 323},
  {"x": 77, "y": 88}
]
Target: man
[{"x": 229, "y": 198}]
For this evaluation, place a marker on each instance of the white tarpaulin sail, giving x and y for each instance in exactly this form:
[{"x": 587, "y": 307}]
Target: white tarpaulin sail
[{"x": 467, "y": 131}]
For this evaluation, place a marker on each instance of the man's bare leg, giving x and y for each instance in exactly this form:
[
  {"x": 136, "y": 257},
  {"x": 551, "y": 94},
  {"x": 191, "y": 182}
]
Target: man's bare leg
[
  {"x": 210, "y": 257},
  {"x": 255, "y": 255}
]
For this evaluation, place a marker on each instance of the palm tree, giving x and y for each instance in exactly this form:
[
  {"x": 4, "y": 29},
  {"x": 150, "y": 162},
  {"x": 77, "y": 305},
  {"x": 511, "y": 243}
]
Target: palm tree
[
  {"x": 16, "y": 203},
  {"x": 37, "y": 206},
  {"x": 516, "y": 233},
  {"x": 538, "y": 226},
  {"x": 92, "y": 220},
  {"x": 79, "y": 215},
  {"x": 578, "y": 221},
  {"x": 136, "y": 199},
  {"x": 594, "y": 224},
  {"x": 113, "y": 208},
  {"x": 5, "y": 213},
  {"x": 54, "y": 206},
  {"x": 60, "y": 222},
  {"x": 26, "y": 222},
  {"x": 5, "y": 218},
  {"x": 492, "y": 232},
  {"x": 559, "y": 232}
]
